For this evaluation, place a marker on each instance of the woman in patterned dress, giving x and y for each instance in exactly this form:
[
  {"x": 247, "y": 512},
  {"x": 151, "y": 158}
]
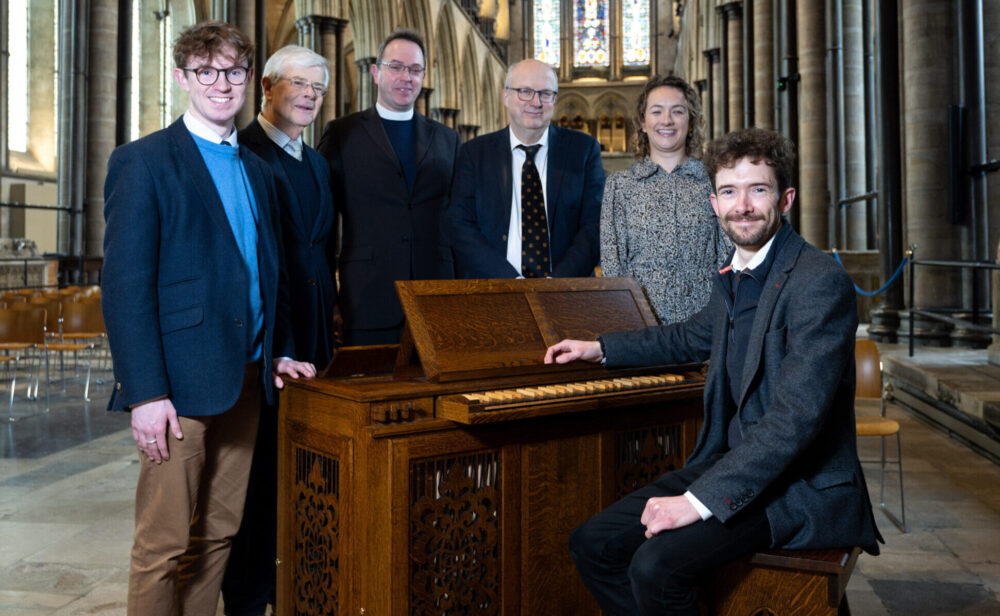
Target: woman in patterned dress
[{"x": 657, "y": 224}]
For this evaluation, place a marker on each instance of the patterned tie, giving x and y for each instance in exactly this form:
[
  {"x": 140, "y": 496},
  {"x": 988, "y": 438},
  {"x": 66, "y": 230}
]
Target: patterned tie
[{"x": 534, "y": 225}]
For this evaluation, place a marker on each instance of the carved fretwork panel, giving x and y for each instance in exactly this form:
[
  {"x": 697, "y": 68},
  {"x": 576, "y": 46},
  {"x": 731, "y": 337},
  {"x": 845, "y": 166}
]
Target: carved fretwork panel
[
  {"x": 455, "y": 535},
  {"x": 643, "y": 455},
  {"x": 317, "y": 534}
]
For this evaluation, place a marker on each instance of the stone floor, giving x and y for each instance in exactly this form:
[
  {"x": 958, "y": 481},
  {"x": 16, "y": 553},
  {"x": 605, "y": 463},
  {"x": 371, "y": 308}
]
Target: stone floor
[{"x": 67, "y": 479}]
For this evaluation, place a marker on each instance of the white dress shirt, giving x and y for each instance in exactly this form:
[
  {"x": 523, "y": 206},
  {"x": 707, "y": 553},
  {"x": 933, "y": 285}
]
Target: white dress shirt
[
  {"x": 518, "y": 156},
  {"x": 200, "y": 129},
  {"x": 283, "y": 141}
]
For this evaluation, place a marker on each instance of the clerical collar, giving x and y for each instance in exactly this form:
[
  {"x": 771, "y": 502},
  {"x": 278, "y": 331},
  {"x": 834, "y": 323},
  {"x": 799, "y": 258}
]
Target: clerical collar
[
  {"x": 389, "y": 114},
  {"x": 200, "y": 129}
]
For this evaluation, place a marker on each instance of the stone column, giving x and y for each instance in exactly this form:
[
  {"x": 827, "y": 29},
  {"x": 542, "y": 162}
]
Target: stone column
[
  {"x": 813, "y": 199},
  {"x": 333, "y": 51},
  {"x": 424, "y": 102},
  {"x": 991, "y": 46},
  {"x": 734, "y": 63},
  {"x": 763, "y": 63},
  {"x": 367, "y": 92},
  {"x": 73, "y": 169},
  {"x": 713, "y": 105},
  {"x": 246, "y": 20},
  {"x": 101, "y": 100},
  {"x": 467, "y": 131},
  {"x": 854, "y": 122},
  {"x": 928, "y": 42},
  {"x": 323, "y": 35},
  {"x": 447, "y": 116}
]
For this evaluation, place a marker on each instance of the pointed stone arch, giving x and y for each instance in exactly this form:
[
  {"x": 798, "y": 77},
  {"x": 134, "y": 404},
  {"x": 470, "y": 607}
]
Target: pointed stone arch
[
  {"x": 445, "y": 58},
  {"x": 470, "y": 101},
  {"x": 570, "y": 105},
  {"x": 493, "y": 113}
]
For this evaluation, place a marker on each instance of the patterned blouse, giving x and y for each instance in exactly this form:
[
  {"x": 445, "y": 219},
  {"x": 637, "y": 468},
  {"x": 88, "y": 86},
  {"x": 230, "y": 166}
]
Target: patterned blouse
[{"x": 659, "y": 228}]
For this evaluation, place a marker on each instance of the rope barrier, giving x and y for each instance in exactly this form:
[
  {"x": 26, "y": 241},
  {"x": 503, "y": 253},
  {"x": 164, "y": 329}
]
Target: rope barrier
[{"x": 892, "y": 278}]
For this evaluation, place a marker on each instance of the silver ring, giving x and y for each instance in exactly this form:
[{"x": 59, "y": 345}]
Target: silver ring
[{"x": 151, "y": 442}]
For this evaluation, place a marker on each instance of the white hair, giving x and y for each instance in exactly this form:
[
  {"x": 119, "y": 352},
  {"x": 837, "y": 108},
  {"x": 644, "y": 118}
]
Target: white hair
[{"x": 293, "y": 56}]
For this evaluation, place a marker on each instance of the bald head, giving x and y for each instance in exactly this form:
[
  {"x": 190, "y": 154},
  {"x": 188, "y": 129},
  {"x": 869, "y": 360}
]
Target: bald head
[{"x": 527, "y": 83}]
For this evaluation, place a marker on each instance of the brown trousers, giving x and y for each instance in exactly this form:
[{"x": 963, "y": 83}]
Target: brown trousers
[{"x": 188, "y": 508}]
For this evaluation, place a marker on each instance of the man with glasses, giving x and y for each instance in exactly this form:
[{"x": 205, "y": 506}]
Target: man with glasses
[
  {"x": 294, "y": 82},
  {"x": 526, "y": 201},
  {"x": 392, "y": 170},
  {"x": 191, "y": 290}
]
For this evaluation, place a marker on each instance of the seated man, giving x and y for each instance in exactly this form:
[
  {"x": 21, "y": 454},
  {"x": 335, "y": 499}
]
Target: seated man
[{"x": 776, "y": 463}]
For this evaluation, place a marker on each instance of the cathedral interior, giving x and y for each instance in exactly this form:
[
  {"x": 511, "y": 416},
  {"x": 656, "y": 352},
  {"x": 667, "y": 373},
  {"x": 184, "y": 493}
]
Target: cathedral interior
[{"x": 890, "y": 103}]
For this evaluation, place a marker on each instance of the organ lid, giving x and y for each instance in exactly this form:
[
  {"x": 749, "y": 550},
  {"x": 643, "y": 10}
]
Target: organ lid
[{"x": 465, "y": 329}]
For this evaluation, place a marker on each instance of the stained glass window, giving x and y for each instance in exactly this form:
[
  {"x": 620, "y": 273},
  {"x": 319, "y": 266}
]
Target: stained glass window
[
  {"x": 635, "y": 32},
  {"x": 590, "y": 33},
  {"x": 547, "y": 31}
]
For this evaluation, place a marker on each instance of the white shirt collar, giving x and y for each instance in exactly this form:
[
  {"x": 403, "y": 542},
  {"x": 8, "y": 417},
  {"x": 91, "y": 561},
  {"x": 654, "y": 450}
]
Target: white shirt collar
[
  {"x": 274, "y": 133},
  {"x": 388, "y": 114},
  {"x": 200, "y": 129},
  {"x": 514, "y": 141},
  {"x": 757, "y": 259}
]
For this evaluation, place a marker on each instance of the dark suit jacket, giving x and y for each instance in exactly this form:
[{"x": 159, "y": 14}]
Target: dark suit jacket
[
  {"x": 481, "y": 204},
  {"x": 312, "y": 291},
  {"x": 798, "y": 457},
  {"x": 389, "y": 232},
  {"x": 174, "y": 286}
]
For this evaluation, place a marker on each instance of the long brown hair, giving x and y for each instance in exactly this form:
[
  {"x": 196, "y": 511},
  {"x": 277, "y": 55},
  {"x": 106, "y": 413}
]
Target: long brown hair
[{"x": 696, "y": 121}]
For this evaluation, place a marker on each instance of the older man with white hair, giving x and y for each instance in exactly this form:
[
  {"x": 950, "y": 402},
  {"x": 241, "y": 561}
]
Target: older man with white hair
[{"x": 294, "y": 82}]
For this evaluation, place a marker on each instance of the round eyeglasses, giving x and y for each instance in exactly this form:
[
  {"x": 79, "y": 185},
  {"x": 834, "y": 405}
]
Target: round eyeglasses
[{"x": 207, "y": 75}]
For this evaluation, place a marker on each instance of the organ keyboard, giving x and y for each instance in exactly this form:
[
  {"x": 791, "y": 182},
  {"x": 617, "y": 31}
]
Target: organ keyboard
[{"x": 443, "y": 475}]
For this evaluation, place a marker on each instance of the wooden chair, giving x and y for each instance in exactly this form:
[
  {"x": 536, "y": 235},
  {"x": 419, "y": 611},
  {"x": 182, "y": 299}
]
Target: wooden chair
[
  {"x": 21, "y": 331},
  {"x": 8, "y": 344},
  {"x": 83, "y": 323},
  {"x": 869, "y": 390},
  {"x": 780, "y": 582}
]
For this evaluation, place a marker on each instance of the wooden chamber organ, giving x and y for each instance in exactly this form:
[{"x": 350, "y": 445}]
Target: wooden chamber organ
[{"x": 445, "y": 474}]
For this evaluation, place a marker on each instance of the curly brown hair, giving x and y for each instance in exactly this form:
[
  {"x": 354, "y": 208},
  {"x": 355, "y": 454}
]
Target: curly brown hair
[
  {"x": 207, "y": 39},
  {"x": 696, "y": 121},
  {"x": 757, "y": 144}
]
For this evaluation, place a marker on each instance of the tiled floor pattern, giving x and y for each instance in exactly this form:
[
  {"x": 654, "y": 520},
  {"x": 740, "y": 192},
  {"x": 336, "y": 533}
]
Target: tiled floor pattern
[{"x": 67, "y": 479}]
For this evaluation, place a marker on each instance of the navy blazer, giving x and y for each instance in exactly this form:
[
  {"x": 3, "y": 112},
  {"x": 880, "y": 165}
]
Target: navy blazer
[
  {"x": 798, "y": 456},
  {"x": 312, "y": 291},
  {"x": 389, "y": 232},
  {"x": 480, "y": 210},
  {"x": 174, "y": 286}
]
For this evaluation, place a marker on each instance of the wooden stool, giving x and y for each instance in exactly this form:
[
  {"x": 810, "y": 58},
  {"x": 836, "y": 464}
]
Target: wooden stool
[{"x": 781, "y": 583}]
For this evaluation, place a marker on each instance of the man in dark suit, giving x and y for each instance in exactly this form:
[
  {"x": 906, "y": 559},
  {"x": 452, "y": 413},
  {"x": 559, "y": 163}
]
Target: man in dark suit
[
  {"x": 776, "y": 463},
  {"x": 191, "y": 291},
  {"x": 527, "y": 199},
  {"x": 392, "y": 169},
  {"x": 294, "y": 82}
]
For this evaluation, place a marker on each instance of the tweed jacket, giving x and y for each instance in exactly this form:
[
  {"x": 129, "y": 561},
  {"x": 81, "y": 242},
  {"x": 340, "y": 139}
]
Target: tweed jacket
[
  {"x": 659, "y": 228},
  {"x": 795, "y": 408}
]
